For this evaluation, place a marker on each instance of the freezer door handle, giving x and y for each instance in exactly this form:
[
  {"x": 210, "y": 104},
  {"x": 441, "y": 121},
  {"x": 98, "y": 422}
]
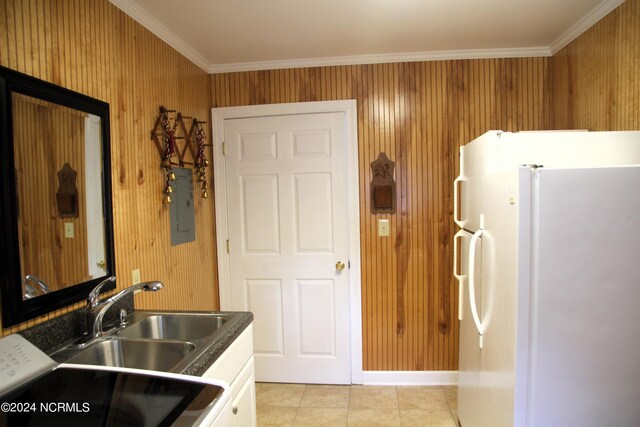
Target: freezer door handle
[
  {"x": 472, "y": 284},
  {"x": 456, "y": 204},
  {"x": 459, "y": 277}
]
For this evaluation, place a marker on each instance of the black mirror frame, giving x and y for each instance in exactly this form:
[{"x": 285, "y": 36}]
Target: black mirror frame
[{"x": 14, "y": 309}]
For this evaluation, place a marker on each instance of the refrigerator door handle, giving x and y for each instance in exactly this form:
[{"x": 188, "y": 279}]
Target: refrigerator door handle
[
  {"x": 472, "y": 287},
  {"x": 456, "y": 206},
  {"x": 459, "y": 277}
]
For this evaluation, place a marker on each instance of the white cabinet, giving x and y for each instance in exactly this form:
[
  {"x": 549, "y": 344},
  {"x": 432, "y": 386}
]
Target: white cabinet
[
  {"x": 235, "y": 367},
  {"x": 243, "y": 392}
]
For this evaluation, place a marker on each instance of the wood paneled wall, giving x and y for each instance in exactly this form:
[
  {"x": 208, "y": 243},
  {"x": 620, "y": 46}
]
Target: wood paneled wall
[
  {"x": 595, "y": 80},
  {"x": 46, "y": 136},
  {"x": 419, "y": 114},
  {"x": 92, "y": 47}
]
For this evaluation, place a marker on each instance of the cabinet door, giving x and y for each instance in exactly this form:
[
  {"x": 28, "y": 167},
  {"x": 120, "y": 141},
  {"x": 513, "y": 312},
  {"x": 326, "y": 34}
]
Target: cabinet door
[{"x": 243, "y": 392}]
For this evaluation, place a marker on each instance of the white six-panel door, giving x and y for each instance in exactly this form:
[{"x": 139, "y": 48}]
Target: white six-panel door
[{"x": 288, "y": 228}]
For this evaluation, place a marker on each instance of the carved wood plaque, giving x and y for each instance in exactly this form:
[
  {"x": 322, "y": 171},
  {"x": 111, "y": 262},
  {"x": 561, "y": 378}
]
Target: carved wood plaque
[
  {"x": 67, "y": 195},
  {"x": 383, "y": 186}
]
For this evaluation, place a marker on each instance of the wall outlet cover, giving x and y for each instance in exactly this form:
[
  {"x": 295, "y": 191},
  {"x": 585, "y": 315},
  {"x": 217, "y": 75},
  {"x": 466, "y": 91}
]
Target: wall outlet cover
[
  {"x": 135, "y": 276},
  {"x": 69, "y": 231},
  {"x": 383, "y": 227}
]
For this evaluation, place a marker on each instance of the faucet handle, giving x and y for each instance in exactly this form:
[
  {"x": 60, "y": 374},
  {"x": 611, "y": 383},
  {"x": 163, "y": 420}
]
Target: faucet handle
[{"x": 94, "y": 295}]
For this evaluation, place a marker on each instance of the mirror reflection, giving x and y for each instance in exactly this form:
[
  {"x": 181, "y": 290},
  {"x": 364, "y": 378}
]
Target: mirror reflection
[{"x": 58, "y": 169}]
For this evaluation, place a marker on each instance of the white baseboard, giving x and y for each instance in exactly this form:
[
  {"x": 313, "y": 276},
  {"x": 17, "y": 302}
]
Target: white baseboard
[{"x": 410, "y": 377}]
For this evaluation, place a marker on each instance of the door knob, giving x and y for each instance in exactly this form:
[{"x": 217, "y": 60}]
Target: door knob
[{"x": 340, "y": 265}]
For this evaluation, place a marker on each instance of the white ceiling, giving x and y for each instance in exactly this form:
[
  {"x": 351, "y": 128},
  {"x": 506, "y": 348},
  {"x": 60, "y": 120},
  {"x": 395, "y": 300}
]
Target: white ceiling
[{"x": 241, "y": 35}]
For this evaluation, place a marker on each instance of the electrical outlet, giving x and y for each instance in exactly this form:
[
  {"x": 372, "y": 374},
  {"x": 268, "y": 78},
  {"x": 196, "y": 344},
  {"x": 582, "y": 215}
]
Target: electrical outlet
[
  {"x": 68, "y": 230},
  {"x": 383, "y": 227},
  {"x": 135, "y": 276}
]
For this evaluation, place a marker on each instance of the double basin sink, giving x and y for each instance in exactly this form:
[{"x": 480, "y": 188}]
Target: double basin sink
[{"x": 159, "y": 341}]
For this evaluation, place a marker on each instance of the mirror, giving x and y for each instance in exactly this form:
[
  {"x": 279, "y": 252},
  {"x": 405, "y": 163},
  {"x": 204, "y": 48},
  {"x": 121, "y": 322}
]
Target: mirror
[{"x": 55, "y": 209}]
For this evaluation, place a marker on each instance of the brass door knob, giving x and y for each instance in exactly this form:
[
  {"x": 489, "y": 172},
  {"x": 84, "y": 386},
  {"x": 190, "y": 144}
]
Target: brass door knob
[{"x": 340, "y": 265}]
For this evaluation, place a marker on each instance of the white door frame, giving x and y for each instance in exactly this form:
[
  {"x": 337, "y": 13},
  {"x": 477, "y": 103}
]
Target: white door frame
[{"x": 349, "y": 108}]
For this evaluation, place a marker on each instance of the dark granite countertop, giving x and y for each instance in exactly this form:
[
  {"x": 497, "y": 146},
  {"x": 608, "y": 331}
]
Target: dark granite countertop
[{"x": 241, "y": 321}]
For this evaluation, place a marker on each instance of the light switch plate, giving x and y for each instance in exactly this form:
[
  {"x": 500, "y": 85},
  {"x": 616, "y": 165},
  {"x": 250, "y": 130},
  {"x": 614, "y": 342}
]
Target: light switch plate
[
  {"x": 69, "y": 232},
  {"x": 135, "y": 276},
  {"x": 383, "y": 227}
]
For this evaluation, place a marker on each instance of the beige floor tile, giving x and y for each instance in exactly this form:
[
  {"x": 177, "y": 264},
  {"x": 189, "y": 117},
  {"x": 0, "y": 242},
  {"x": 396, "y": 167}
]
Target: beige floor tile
[
  {"x": 276, "y": 417},
  {"x": 426, "y": 418},
  {"x": 378, "y": 397},
  {"x": 451, "y": 393},
  {"x": 320, "y": 417},
  {"x": 432, "y": 398},
  {"x": 367, "y": 417},
  {"x": 325, "y": 396},
  {"x": 324, "y": 405},
  {"x": 280, "y": 395}
]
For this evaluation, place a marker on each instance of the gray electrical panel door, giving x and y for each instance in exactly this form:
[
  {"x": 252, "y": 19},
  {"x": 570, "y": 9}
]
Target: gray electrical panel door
[{"x": 183, "y": 221}]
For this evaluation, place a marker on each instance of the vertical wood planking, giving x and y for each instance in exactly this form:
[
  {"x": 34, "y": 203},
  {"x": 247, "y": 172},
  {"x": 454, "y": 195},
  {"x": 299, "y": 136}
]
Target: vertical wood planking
[
  {"x": 419, "y": 114},
  {"x": 93, "y": 48},
  {"x": 595, "y": 82}
]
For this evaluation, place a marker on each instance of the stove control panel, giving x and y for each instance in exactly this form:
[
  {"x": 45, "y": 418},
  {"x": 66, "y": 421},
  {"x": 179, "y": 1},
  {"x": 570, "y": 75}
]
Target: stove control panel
[{"x": 20, "y": 361}]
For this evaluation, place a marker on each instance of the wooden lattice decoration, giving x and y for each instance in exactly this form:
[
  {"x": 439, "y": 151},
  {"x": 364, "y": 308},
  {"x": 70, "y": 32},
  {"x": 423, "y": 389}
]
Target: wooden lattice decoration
[{"x": 176, "y": 144}]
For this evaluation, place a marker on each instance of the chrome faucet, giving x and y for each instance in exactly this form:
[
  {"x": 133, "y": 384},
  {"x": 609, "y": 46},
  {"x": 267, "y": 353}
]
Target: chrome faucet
[{"x": 96, "y": 309}]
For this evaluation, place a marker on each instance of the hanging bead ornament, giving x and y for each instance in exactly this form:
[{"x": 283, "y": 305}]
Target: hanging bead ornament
[
  {"x": 201, "y": 162},
  {"x": 166, "y": 133},
  {"x": 169, "y": 150}
]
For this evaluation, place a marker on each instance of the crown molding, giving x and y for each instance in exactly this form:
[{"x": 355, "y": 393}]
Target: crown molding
[
  {"x": 162, "y": 32},
  {"x": 381, "y": 59},
  {"x": 157, "y": 28},
  {"x": 599, "y": 12}
]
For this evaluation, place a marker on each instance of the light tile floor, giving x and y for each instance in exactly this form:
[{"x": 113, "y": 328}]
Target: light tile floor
[{"x": 330, "y": 405}]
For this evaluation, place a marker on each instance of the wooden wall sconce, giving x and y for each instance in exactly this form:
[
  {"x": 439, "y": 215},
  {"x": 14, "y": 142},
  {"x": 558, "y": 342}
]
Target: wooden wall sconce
[
  {"x": 168, "y": 130},
  {"x": 383, "y": 186}
]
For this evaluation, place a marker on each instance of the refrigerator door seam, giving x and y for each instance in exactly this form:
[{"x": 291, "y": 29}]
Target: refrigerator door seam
[{"x": 533, "y": 289}]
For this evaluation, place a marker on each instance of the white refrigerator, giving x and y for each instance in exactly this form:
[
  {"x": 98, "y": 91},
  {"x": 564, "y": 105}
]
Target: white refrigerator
[{"x": 548, "y": 264}]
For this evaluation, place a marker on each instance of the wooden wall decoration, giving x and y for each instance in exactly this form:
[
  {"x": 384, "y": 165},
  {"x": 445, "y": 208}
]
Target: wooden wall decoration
[
  {"x": 383, "y": 186},
  {"x": 168, "y": 130},
  {"x": 92, "y": 47},
  {"x": 67, "y": 194}
]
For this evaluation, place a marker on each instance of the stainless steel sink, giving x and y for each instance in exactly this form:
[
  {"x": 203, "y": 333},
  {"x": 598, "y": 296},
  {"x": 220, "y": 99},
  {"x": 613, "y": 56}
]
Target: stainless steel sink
[
  {"x": 154, "y": 340},
  {"x": 141, "y": 354},
  {"x": 174, "y": 327}
]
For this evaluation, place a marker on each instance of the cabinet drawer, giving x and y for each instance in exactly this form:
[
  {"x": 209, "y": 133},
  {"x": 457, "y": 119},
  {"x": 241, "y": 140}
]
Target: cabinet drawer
[{"x": 243, "y": 392}]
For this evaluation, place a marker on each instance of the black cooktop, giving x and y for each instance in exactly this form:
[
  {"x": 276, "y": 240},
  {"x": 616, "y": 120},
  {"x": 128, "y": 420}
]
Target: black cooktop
[{"x": 78, "y": 397}]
